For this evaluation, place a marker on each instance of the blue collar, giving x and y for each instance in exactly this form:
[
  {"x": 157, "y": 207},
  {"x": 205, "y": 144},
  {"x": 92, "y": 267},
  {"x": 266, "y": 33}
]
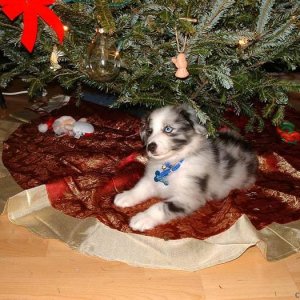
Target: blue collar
[{"x": 167, "y": 169}]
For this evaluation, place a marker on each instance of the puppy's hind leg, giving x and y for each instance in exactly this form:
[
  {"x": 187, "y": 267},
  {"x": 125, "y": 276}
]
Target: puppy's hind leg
[
  {"x": 161, "y": 213},
  {"x": 142, "y": 191}
]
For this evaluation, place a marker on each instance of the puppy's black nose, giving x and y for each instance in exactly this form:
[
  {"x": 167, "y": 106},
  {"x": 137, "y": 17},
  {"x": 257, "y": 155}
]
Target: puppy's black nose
[{"x": 151, "y": 147}]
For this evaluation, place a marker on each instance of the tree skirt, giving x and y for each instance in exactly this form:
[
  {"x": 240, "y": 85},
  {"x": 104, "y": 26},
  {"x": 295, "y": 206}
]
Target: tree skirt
[{"x": 75, "y": 181}]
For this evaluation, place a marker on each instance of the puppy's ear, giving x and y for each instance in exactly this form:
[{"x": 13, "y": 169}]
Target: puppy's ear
[
  {"x": 190, "y": 116},
  {"x": 144, "y": 128}
]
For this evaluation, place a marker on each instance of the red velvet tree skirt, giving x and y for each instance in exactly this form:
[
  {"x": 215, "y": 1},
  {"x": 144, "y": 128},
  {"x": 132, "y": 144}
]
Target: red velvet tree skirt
[{"x": 83, "y": 175}]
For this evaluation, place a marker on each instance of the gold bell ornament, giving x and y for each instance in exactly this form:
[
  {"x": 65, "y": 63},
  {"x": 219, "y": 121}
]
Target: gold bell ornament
[{"x": 103, "y": 59}]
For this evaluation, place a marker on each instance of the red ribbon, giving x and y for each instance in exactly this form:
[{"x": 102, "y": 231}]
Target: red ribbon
[{"x": 32, "y": 10}]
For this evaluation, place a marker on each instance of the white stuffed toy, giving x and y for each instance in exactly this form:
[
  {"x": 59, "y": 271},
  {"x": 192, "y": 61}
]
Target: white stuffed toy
[{"x": 67, "y": 125}]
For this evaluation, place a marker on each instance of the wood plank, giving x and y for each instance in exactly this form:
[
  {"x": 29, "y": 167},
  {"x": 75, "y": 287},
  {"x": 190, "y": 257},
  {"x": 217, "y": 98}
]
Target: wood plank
[{"x": 37, "y": 268}]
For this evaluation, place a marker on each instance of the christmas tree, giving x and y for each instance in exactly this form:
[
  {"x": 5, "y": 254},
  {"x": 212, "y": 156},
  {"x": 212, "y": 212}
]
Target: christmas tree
[{"x": 228, "y": 47}]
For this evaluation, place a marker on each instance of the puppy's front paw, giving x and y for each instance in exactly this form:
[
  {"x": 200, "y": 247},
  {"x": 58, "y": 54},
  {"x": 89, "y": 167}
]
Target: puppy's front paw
[
  {"x": 125, "y": 199},
  {"x": 143, "y": 221}
]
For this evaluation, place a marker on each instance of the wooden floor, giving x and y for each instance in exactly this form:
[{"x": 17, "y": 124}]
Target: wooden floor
[{"x": 34, "y": 268}]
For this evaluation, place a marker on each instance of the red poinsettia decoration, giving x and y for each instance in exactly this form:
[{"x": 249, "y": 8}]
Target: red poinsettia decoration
[{"x": 32, "y": 10}]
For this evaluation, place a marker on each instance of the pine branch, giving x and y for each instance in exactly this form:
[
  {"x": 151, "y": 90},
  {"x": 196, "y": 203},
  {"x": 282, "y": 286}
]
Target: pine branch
[
  {"x": 264, "y": 15},
  {"x": 209, "y": 21},
  {"x": 10, "y": 26},
  {"x": 202, "y": 116},
  {"x": 275, "y": 40},
  {"x": 279, "y": 115},
  {"x": 104, "y": 16}
]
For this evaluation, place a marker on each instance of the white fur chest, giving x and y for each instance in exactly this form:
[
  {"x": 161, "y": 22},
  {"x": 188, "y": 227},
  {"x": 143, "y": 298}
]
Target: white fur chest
[{"x": 183, "y": 178}]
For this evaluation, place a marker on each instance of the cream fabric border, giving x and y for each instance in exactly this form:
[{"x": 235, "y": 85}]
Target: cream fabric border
[
  {"x": 32, "y": 209},
  {"x": 8, "y": 187}
]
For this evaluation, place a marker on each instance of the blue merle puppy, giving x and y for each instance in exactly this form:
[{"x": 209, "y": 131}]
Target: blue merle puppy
[{"x": 185, "y": 167}]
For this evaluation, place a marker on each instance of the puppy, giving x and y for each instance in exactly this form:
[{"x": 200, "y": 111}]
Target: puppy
[{"x": 186, "y": 168}]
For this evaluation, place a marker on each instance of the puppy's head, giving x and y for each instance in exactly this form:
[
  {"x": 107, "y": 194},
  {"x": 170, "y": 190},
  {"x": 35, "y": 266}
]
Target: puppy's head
[{"x": 170, "y": 129}]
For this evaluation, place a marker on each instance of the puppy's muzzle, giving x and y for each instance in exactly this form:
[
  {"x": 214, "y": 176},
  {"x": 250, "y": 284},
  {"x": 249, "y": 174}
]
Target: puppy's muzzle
[{"x": 152, "y": 147}]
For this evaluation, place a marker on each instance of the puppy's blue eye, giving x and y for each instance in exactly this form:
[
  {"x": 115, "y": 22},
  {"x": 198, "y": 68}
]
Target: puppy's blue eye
[{"x": 168, "y": 129}]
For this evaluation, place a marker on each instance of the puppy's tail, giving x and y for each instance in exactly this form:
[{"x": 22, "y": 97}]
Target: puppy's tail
[{"x": 230, "y": 132}]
